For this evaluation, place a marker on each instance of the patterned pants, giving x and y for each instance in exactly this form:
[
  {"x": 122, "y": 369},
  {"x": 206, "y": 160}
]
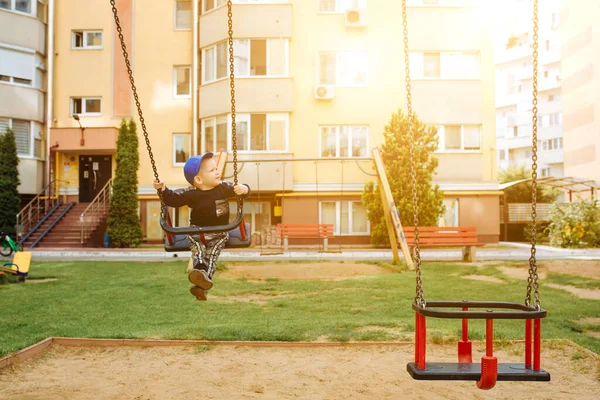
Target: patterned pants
[{"x": 206, "y": 250}]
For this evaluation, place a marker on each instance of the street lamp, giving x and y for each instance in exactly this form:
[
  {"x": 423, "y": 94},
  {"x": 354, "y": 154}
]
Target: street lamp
[{"x": 76, "y": 117}]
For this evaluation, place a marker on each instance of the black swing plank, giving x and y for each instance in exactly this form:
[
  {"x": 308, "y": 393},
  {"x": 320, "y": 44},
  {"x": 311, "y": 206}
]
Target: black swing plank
[
  {"x": 181, "y": 242},
  {"x": 472, "y": 372}
]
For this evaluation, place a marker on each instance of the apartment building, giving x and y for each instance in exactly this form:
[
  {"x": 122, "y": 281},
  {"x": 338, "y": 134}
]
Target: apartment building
[
  {"x": 23, "y": 87},
  {"x": 581, "y": 84},
  {"x": 514, "y": 87},
  {"x": 315, "y": 81}
]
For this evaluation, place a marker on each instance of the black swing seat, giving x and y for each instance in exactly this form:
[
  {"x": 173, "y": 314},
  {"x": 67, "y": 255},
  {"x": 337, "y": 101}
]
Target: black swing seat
[
  {"x": 182, "y": 243},
  {"x": 472, "y": 372}
]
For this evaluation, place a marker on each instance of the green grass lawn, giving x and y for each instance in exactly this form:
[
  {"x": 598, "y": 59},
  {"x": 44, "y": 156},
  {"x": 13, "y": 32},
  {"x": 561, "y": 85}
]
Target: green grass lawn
[{"x": 151, "y": 300}]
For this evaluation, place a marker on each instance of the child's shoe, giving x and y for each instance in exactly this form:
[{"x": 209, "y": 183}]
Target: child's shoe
[
  {"x": 199, "y": 277},
  {"x": 199, "y": 293}
]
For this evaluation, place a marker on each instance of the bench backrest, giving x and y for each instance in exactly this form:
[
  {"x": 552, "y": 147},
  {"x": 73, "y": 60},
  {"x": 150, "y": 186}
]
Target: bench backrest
[
  {"x": 443, "y": 236},
  {"x": 305, "y": 231}
]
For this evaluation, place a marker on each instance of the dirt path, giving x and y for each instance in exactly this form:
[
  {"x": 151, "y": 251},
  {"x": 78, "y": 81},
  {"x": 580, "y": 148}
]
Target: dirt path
[{"x": 228, "y": 372}]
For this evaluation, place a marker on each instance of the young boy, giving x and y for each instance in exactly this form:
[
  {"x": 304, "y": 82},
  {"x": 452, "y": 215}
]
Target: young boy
[{"x": 209, "y": 207}]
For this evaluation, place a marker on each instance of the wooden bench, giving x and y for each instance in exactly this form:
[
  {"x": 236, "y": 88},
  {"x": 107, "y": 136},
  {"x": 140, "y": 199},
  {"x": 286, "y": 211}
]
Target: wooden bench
[
  {"x": 455, "y": 236},
  {"x": 305, "y": 231}
]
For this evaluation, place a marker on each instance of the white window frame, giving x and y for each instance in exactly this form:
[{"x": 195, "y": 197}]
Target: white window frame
[
  {"x": 215, "y": 64},
  {"x": 417, "y": 65},
  {"x": 212, "y": 147},
  {"x": 442, "y": 140},
  {"x": 83, "y": 110},
  {"x": 246, "y": 117},
  {"x": 442, "y": 3},
  {"x": 85, "y": 45},
  {"x": 32, "y": 6},
  {"x": 338, "y": 55},
  {"x": 173, "y": 148},
  {"x": 32, "y": 137},
  {"x": 269, "y": 116},
  {"x": 239, "y": 74},
  {"x": 216, "y": 7},
  {"x": 338, "y": 129},
  {"x": 456, "y": 211},
  {"x": 175, "y": 94},
  {"x": 340, "y": 6},
  {"x": 175, "y": 27},
  {"x": 338, "y": 218}
]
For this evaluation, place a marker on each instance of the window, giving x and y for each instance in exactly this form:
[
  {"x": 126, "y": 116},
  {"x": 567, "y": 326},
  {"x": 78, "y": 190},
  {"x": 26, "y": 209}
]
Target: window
[
  {"x": 182, "y": 82},
  {"x": 90, "y": 106},
  {"x": 86, "y": 40},
  {"x": 343, "y": 69},
  {"x": 344, "y": 141},
  {"x": 40, "y": 11},
  {"x": 17, "y": 67},
  {"x": 450, "y": 215},
  {"x": 23, "y": 133},
  {"x": 502, "y": 155},
  {"x": 214, "y": 131},
  {"x": 21, "y": 6},
  {"x": 255, "y": 132},
  {"x": 183, "y": 15},
  {"x": 459, "y": 137},
  {"x": 261, "y": 57},
  {"x": 262, "y": 132},
  {"x": 347, "y": 217},
  {"x": 340, "y": 6},
  {"x": 182, "y": 144},
  {"x": 444, "y": 65},
  {"x": 208, "y": 5},
  {"x": 215, "y": 62},
  {"x": 255, "y": 213}
]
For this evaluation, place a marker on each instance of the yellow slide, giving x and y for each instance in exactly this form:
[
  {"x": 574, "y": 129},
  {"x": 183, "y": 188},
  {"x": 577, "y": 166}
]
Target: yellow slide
[{"x": 19, "y": 265}]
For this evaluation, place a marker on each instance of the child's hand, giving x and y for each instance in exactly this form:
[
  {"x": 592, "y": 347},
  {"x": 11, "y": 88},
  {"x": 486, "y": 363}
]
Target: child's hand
[
  {"x": 158, "y": 185},
  {"x": 240, "y": 189}
]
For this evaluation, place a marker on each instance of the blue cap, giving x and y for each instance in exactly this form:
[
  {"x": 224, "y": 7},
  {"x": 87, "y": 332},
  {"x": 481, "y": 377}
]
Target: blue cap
[{"x": 192, "y": 166}]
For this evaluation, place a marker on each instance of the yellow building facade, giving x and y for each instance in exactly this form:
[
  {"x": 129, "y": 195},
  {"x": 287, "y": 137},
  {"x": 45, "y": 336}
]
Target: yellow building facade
[{"x": 316, "y": 83}]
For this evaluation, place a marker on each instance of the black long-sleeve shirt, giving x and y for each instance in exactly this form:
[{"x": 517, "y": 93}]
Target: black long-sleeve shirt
[{"x": 208, "y": 207}]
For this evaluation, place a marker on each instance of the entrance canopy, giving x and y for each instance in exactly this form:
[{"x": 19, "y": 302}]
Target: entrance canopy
[{"x": 568, "y": 183}]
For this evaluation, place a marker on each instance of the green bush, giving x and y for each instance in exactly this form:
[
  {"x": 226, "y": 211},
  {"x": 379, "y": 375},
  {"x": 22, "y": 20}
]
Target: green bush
[
  {"x": 124, "y": 226},
  {"x": 10, "y": 201},
  {"x": 575, "y": 224}
]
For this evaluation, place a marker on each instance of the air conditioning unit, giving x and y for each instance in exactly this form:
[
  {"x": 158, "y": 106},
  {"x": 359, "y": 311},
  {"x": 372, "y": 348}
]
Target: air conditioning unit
[
  {"x": 356, "y": 17},
  {"x": 325, "y": 92}
]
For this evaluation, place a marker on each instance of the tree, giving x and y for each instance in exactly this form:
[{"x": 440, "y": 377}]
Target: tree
[
  {"x": 10, "y": 201},
  {"x": 124, "y": 225},
  {"x": 521, "y": 192},
  {"x": 396, "y": 157}
]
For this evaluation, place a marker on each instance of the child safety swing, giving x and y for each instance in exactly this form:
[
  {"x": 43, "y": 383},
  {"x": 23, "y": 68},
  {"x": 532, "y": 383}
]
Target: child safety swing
[
  {"x": 489, "y": 371},
  {"x": 176, "y": 239}
]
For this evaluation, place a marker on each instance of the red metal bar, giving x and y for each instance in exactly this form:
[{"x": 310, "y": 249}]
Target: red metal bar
[
  {"x": 537, "y": 340},
  {"x": 417, "y": 338},
  {"x": 422, "y": 341},
  {"x": 528, "y": 343},
  {"x": 489, "y": 337},
  {"x": 464, "y": 346}
]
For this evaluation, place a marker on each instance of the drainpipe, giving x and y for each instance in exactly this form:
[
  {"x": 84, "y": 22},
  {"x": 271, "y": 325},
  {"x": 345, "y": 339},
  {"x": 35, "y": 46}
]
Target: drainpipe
[
  {"x": 195, "y": 85},
  {"x": 49, "y": 84}
]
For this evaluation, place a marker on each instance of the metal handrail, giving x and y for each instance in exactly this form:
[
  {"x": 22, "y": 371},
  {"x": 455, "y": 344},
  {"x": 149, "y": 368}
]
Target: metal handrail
[
  {"x": 36, "y": 209},
  {"x": 90, "y": 218}
]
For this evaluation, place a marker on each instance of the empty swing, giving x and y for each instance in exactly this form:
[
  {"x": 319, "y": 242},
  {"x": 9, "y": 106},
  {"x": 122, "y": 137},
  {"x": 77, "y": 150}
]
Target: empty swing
[
  {"x": 489, "y": 371},
  {"x": 176, "y": 238}
]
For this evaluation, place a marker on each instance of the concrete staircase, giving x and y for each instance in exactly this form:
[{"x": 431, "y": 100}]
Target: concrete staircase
[{"x": 66, "y": 233}]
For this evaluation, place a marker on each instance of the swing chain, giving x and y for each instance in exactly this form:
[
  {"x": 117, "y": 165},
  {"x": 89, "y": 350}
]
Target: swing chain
[
  {"x": 232, "y": 86},
  {"x": 135, "y": 95},
  {"x": 532, "y": 280},
  {"x": 419, "y": 298}
]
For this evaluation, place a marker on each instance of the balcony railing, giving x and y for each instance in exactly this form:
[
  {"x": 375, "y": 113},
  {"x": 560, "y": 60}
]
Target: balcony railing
[{"x": 95, "y": 212}]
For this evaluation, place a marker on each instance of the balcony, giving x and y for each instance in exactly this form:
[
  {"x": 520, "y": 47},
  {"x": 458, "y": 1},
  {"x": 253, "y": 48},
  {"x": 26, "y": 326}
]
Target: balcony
[
  {"x": 23, "y": 31},
  {"x": 21, "y": 102},
  {"x": 511, "y": 143},
  {"x": 551, "y": 157},
  {"x": 259, "y": 21},
  {"x": 252, "y": 94}
]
